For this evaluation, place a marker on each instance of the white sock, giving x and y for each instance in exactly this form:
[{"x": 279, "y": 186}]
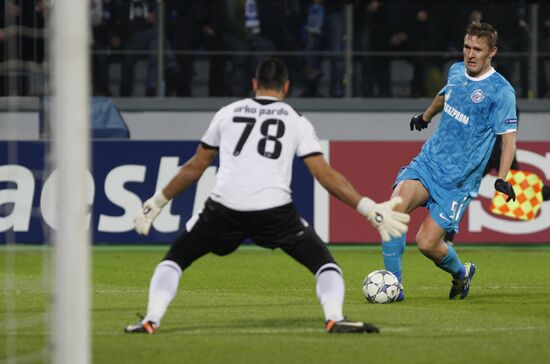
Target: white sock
[
  {"x": 163, "y": 288},
  {"x": 330, "y": 290}
]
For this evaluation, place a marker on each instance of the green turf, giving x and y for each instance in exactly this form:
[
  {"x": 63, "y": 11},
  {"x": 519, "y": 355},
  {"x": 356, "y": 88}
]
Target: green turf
[{"x": 258, "y": 306}]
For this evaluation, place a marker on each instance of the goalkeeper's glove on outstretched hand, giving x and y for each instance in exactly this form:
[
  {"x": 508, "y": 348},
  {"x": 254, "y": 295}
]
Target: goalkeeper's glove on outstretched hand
[
  {"x": 418, "y": 123},
  {"x": 505, "y": 187},
  {"x": 149, "y": 211},
  {"x": 389, "y": 223}
]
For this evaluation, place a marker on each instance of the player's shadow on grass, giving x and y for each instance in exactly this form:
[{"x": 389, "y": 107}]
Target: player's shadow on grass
[
  {"x": 496, "y": 297},
  {"x": 267, "y": 326},
  {"x": 137, "y": 309},
  {"x": 507, "y": 298},
  {"x": 240, "y": 304}
]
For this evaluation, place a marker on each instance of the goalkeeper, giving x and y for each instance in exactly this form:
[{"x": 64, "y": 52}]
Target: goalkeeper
[
  {"x": 477, "y": 103},
  {"x": 251, "y": 199},
  {"x": 493, "y": 164}
]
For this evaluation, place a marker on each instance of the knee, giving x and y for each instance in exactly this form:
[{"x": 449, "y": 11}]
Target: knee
[
  {"x": 426, "y": 247},
  {"x": 406, "y": 204}
]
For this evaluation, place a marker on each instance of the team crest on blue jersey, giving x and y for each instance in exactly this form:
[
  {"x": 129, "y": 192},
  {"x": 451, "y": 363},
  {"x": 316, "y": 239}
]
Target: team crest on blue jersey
[{"x": 477, "y": 96}]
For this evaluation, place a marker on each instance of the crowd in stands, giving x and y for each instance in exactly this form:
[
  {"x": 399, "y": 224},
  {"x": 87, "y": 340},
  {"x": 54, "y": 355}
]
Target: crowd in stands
[
  {"x": 233, "y": 35},
  {"x": 22, "y": 44}
]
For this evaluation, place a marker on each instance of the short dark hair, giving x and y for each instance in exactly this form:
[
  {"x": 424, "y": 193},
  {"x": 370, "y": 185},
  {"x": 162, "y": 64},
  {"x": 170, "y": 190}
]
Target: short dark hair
[
  {"x": 483, "y": 30},
  {"x": 271, "y": 74}
]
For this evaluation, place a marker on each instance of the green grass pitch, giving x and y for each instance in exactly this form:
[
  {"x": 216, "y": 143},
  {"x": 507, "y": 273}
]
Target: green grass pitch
[{"x": 259, "y": 306}]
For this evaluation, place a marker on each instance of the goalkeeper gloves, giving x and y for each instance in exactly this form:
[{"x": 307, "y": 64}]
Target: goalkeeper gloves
[
  {"x": 150, "y": 210},
  {"x": 418, "y": 123},
  {"x": 389, "y": 223},
  {"x": 506, "y": 188}
]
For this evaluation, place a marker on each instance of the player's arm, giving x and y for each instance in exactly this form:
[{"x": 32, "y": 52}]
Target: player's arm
[
  {"x": 188, "y": 174},
  {"x": 420, "y": 121},
  {"x": 388, "y": 222},
  {"x": 434, "y": 108},
  {"x": 332, "y": 180},
  {"x": 507, "y": 154},
  {"x": 506, "y": 158}
]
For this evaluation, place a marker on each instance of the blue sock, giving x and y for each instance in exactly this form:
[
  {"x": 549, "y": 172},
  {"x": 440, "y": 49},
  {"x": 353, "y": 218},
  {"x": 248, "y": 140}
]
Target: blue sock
[
  {"x": 393, "y": 251},
  {"x": 451, "y": 263}
]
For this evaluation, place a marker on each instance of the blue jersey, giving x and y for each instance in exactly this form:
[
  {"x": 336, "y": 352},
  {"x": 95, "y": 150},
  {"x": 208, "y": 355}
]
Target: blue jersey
[{"x": 474, "y": 112}]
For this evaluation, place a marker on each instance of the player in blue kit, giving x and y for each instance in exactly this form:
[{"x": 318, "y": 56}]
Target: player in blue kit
[
  {"x": 494, "y": 164},
  {"x": 477, "y": 104}
]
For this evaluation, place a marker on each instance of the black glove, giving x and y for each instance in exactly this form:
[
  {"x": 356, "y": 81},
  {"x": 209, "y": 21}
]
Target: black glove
[
  {"x": 418, "y": 123},
  {"x": 505, "y": 187}
]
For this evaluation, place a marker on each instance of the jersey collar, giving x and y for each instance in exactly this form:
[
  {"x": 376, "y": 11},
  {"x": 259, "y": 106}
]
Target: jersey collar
[
  {"x": 482, "y": 77},
  {"x": 265, "y": 100}
]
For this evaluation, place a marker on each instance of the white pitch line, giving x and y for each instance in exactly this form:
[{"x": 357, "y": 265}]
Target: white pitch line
[
  {"x": 28, "y": 321},
  {"x": 36, "y": 357}
]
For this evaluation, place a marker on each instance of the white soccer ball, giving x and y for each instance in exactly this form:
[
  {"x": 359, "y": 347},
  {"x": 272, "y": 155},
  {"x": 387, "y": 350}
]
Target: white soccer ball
[{"x": 381, "y": 286}]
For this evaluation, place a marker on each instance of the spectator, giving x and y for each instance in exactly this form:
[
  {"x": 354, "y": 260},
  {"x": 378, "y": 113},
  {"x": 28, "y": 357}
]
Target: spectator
[
  {"x": 103, "y": 22},
  {"x": 427, "y": 76},
  {"x": 179, "y": 15},
  {"x": 138, "y": 32},
  {"x": 23, "y": 50},
  {"x": 510, "y": 19},
  {"x": 200, "y": 25},
  {"x": 258, "y": 41},
  {"x": 372, "y": 34},
  {"x": 278, "y": 29},
  {"x": 401, "y": 20},
  {"x": 544, "y": 46},
  {"x": 239, "y": 70},
  {"x": 325, "y": 24},
  {"x": 389, "y": 28},
  {"x": 9, "y": 14},
  {"x": 446, "y": 21}
]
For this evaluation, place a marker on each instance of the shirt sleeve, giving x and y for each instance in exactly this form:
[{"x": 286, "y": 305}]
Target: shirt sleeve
[
  {"x": 443, "y": 91},
  {"x": 454, "y": 68},
  {"x": 212, "y": 135},
  {"x": 308, "y": 142},
  {"x": 503, "y": 117}
]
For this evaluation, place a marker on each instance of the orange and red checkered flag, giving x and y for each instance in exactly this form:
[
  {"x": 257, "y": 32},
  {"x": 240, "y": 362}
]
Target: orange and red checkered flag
[{"x": 528, "y": 189}]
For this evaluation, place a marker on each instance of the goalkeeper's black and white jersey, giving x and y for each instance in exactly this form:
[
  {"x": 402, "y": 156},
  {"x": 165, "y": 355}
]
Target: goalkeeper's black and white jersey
[{"x": 257, "y": 140}]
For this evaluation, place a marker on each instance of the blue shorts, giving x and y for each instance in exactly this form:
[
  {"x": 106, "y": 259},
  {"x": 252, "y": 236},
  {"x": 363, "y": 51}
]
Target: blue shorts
[{"x": 446, "y": 206}]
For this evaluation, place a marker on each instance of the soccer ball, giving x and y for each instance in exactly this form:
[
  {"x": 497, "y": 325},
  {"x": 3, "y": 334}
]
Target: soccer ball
[{"x": 381, "y": 286}]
